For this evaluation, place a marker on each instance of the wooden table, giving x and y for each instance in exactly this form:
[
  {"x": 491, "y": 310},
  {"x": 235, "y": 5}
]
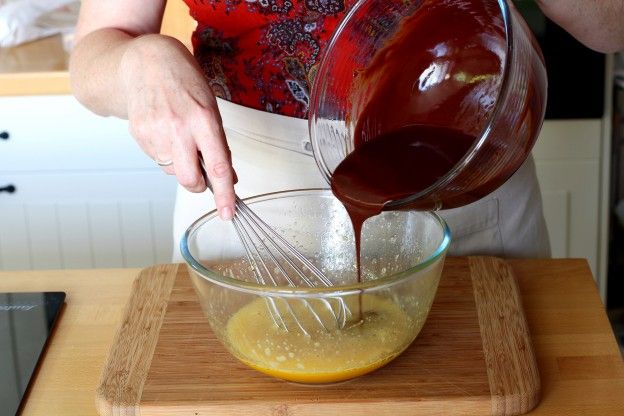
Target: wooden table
[{"x": 580, "y": 364}]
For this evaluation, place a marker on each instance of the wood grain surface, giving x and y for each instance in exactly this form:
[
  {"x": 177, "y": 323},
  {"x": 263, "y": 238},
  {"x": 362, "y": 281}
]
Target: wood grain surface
[
  {"x": 130, "y": 357},
  {"x": 579, "y": 362},
  {"x": 474, "y": 357},
  {"x": 512, "y": 371}
]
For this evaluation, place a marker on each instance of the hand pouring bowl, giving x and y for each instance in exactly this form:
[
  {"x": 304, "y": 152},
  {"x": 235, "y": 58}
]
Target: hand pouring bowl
[
  {"x": 402, "y": 256},
  {"x": 470, "y": 65}
]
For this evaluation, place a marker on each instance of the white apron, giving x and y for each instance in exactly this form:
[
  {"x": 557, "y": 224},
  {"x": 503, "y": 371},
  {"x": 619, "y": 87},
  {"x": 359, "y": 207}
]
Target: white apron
[{"x": 272, "y": 152}]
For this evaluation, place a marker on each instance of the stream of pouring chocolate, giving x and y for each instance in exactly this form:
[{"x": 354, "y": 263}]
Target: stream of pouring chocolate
[{"x": 439, "y": 61}]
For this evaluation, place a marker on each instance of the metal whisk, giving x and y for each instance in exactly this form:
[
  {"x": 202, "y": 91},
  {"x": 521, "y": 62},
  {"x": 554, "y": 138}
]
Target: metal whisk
[{"x": 276, "y": 262}]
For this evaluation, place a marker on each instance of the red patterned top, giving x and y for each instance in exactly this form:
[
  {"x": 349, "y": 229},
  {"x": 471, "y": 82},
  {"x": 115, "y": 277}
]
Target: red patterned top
[{"x": 264, "y": 53}]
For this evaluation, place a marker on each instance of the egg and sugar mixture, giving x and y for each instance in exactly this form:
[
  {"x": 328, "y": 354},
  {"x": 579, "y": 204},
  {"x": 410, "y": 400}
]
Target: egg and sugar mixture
[{"x": 370, "y": 339}]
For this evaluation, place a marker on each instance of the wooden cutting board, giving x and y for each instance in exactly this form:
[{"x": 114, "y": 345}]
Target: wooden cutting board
[{"x": 473, "y": 357}]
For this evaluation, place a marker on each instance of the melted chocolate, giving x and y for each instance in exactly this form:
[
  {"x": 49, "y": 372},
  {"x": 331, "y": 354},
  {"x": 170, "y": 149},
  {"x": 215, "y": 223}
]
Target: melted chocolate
[
  {"x": 419, "y": 105},
  {"x": 394, "y": 166}
]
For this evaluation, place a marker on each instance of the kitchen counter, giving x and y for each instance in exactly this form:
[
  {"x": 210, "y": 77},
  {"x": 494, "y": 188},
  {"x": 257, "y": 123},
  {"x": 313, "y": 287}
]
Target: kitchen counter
[
  {"x": 40, "y": 67},
  {"x": 580, "y": 365}
]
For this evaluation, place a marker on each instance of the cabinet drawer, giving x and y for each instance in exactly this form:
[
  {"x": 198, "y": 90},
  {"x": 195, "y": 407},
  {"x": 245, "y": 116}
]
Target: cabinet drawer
[
  {"x": 101, "y": 186},
  {"x": 120, "y": 219},
  {"x": 56, "y": 133}
]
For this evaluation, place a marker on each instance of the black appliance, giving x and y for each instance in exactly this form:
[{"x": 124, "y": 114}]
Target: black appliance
[{"x": 26, "y": 322}]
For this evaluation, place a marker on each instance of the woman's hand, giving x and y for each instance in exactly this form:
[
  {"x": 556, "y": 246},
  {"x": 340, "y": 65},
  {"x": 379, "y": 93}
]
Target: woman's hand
[
  {"x": 174, "y": 117},
  {"x": 121, "y": 66}
]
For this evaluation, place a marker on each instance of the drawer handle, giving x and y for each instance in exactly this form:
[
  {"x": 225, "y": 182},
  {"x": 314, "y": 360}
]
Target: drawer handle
[
  {"x": 9, "y": 189},
  {"x": 4, "y": 135}
]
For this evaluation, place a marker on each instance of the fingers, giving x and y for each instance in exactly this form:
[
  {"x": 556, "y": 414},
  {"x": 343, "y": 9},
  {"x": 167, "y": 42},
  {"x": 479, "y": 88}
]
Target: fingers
[
  {"x": 156, "y": 139},
  {"x": 186, "y": 164},
  {"x": 210, "y": 138},
  {"x": 163, "y": 136},
  {"x": 175, "y": 139},
  {"x": 176, "y": 152}
]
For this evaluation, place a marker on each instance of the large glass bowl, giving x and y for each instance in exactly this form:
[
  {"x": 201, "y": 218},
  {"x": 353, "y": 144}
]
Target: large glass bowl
[
  {"x": 402, "y": 257},
  {"x": 475, "y": 67}
]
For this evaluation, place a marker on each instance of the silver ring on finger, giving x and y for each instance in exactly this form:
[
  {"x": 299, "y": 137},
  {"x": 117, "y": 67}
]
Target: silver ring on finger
[{"x": 163, "y": 163}]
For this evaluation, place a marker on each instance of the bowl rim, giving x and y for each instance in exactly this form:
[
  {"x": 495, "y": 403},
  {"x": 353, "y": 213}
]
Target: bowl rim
[
  {"x": 312, "y": 292},
  {"x": 506, "y": 14}
]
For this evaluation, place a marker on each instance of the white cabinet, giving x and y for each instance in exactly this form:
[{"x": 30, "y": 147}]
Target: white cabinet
[
  {"x": 568, "y": 160},
  {"x": 85, "y": 194}
]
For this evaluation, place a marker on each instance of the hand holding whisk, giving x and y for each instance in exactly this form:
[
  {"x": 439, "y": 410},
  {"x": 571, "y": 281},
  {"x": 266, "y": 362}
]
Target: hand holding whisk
[{"x": 276, "y": 262}]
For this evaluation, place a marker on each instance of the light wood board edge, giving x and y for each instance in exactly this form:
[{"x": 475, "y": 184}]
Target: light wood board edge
[
  {"x": 124, "y": 373},
  {"x": 511, "y": 367}
]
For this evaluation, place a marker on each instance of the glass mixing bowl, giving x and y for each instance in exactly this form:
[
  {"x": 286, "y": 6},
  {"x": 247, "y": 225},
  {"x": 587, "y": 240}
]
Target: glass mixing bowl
[
  {"x": 473, "y": 66},
  {"x": 402, "y": 257}
]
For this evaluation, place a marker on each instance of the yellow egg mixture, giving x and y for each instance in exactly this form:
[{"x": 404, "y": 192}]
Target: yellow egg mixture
[{"x": 384, "y": 331}]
